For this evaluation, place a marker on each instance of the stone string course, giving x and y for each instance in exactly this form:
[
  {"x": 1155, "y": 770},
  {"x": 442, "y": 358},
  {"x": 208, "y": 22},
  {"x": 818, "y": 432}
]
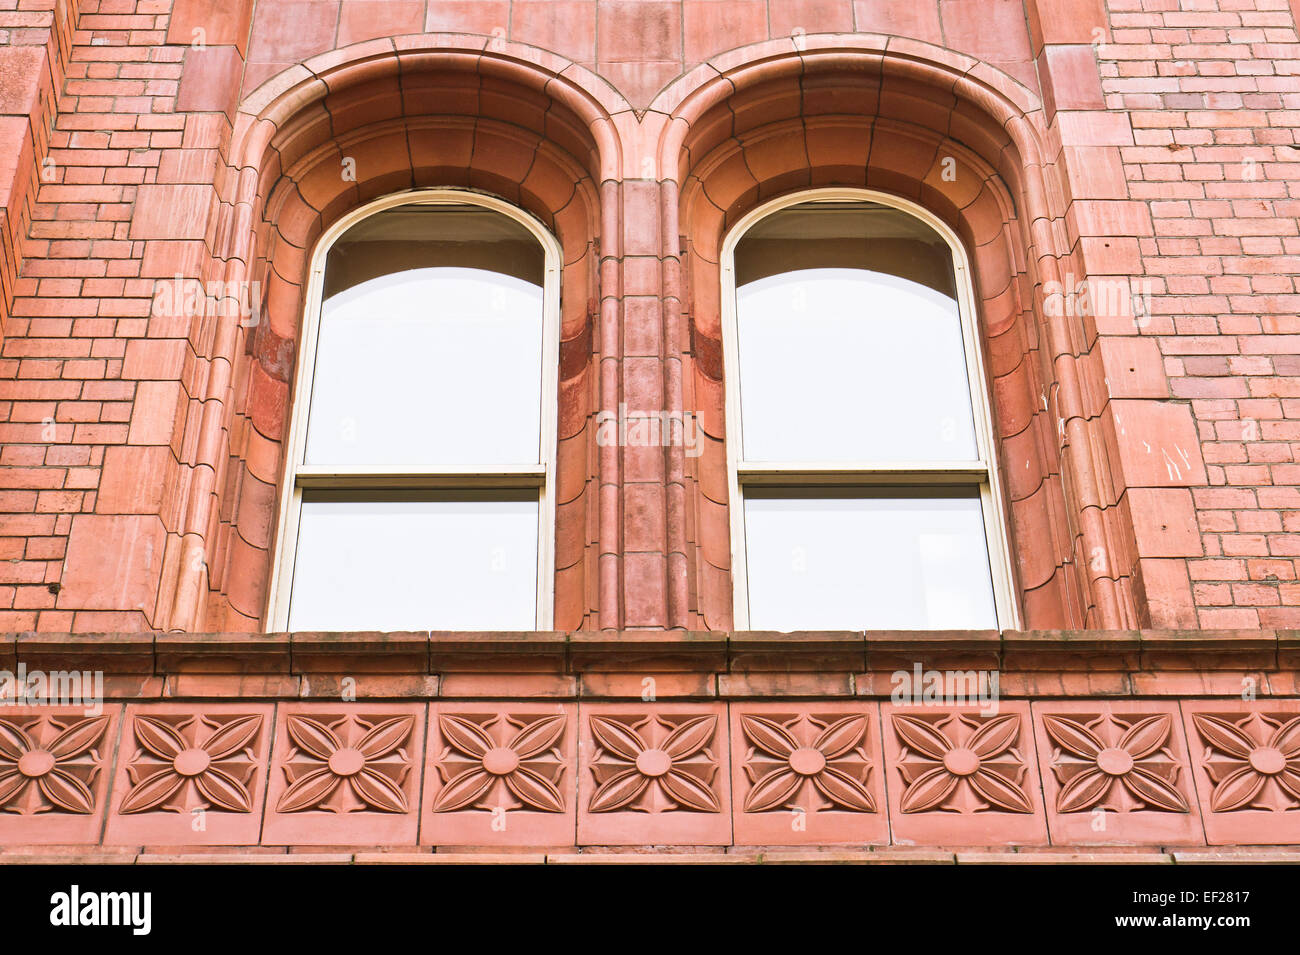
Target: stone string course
[{"x": 1159, "y": 740}]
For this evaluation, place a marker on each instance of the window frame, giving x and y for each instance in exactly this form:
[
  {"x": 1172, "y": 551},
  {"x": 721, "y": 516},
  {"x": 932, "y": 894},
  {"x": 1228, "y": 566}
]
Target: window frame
[
  {"x": 377, "y": 479},
  {"x": 981, "y": 473}
]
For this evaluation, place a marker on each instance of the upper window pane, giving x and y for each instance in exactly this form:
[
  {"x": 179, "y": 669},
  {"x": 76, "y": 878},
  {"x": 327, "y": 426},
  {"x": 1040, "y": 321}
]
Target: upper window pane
[
  {"x": 850, "y": 339},
  {"x": 429, "y": 351}
]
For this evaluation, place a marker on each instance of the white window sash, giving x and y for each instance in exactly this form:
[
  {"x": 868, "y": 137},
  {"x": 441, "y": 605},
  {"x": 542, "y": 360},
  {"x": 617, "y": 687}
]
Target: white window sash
[
  {"x": 299, "y": 476},
  {"x": 981, "y": 473}
]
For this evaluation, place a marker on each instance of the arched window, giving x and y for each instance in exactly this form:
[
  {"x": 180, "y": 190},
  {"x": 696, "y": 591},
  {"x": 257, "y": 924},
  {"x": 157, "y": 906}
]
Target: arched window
[
  {"x": 418, "y": 488},
  {"x": 864, "y": 491}
]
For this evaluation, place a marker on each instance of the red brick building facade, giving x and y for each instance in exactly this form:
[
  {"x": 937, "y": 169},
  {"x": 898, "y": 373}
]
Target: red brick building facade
[{"x": 1143, "y": 443}]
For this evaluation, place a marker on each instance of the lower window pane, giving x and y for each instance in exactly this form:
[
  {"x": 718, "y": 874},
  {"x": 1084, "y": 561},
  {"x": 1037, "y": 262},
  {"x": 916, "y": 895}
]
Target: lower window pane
[
  {"x": 416, "y": 561},
  {"x": 867, "y": 559}
]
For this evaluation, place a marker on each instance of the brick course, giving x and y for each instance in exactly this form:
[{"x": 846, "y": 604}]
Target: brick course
[{"x": 1137, "y": 154}]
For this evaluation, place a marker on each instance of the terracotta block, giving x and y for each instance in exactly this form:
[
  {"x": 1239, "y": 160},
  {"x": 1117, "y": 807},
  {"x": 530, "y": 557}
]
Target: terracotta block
[
  {"x": 360, "y": 652},
  {"x": 97, "y": 857},
  {"x": 172, "y": 211},
  {"x": 639, "y": 31},
  {"x": 1235, "y": 857},
  {"x": 1158, "y": 445},
  {"x": 369, "y": 686},
  {"x": 1164, "y": 594},
  {"x": 884, "y": 856},
  {"x": 136, "y": 480},
  {"x": 957, "y": 649},
  {"x": 754, "y": 650},
  {"x": 1070, "y": 79},
  {"x": 228, "y": 686},
  {"x": 646, "y": 575},
  {"x": 190, "y": 774},
  {"x": 1246, "y": 766},
  {"x": 158, "y": 415},
  {"x": 1288, "y": 649},
  {"x": 57, "y": 762},
  {"x": 807, "y": 773},
  {"x": 187, "y": 165},
  {"x": 221, "y": 23},
  {"x": 500, "y": 774},
  {"x": 566, "y": 28},
  {"x": 1134, "y": 368},
  {"x": 1164, "y": 522},
  {"x": 1064, "y": 858},
  {"x": 660, "y": 858},
  {"x": 132, "y": 546},
  {"x": 1102, "y": 217},
  {"x": 118, "y": 654},
  {"x": 648, "y": 686},
  {"x": 367, "y": 19},
  {"x": 836, "y": 149},
  {"x": 759, "y": 683},
  {"x": 516, "y": 652},
  {"x": 211, "y": 80},
  {"x": 345, "y": 773},
  {"x": 510, "y": 685},
  {"x": 633, "y": 650},
  {"x": 918, "y": 20},
  {"x": 24, "y": 70},
  {"x": 293, "y": 31},
  {"x": 958, "y": 777},
  {"x": 248, "y": 858},
  {"x": 653, "y": 773},
  {"x": 1071, "y": 650},
  {"x": 1116, "y": 772},
  {"x": 801, "y": 17},
  {"x": 711, "y": 27},
  {"x": 1172, "y": 684},
  {"x": 447, "y": 858},
  {"x": 1095, "y": 172},
  {"x": 1065, "y": 21},
  {"x": 993, "y": 31},
  {"x": 638, "y": 80},
  {"x": 488, "y": 17}
]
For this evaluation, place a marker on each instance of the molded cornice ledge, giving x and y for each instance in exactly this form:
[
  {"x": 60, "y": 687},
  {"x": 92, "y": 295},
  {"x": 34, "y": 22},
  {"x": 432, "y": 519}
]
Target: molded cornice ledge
[{"x": 684, "y": 664}]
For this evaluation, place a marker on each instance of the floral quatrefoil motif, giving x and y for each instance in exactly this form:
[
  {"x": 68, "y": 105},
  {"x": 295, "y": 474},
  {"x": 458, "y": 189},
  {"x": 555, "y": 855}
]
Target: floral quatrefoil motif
[
  {"x": 654, "y": 764},
  {"x": 1254, "y": 762},
  {"x": 807, "y": 763},
  {"x": 349, "y": 765},
  {"x": 48, "y": 764},
  {"x": 501, "y": 762},
  {"x": 1120, "y": 764},
  {"x": 960, "y": 764},
  {"x": 195, "y": 762}
]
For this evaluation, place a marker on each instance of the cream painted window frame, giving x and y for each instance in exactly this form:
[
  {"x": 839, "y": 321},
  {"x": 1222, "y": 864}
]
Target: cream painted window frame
[
  {"x": 981, "y": 473},
  {"x": 377, "y": 479}
]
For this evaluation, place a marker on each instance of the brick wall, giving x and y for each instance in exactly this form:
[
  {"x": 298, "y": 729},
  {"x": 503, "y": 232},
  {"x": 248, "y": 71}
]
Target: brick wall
[
  {"x": 1210, "y": 90},
  {"x": 1167, "y": 446}
]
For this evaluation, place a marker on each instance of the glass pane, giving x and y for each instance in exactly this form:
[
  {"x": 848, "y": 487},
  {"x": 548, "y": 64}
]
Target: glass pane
[
  {"x": 416, "y": 561},
  {"x": 867, "y": 559},
  {"x": 850, "y": 340},
  {"x": 430, "y": 344}
]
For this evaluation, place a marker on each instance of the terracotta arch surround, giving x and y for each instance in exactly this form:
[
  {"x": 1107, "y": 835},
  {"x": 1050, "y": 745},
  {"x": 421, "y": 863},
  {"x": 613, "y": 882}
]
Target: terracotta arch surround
[
  {"x": 315, "y": 142},
  {"x": 964, "y": 142},
  {"x": 640, "y": 202}
]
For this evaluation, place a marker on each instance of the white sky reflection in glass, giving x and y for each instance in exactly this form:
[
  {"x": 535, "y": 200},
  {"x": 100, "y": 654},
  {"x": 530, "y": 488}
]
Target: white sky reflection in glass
[
  {"x": 829, "y": 369},
  {"x": 836, "y": 559},
  {"x": 403, "y": 376},
  {"x": 450, "y": 562}
]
